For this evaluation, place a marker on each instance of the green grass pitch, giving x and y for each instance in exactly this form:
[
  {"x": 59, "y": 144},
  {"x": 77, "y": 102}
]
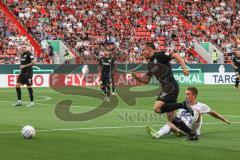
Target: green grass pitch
[{"x": 114, "y": 136}]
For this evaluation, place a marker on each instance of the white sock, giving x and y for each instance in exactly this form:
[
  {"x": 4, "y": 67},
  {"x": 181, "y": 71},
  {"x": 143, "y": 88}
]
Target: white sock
[
  {"x": 19, "y": 101},
  {"x": 163, "y": 131}
]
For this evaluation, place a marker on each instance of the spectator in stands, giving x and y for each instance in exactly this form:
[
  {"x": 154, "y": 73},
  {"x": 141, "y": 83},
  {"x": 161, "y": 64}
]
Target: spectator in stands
[
  {"x": 214, "y": 57},
  {"x": 67, "y": 57},
  {"x": 127, "y": 23},
  {"x": 50, "y": 52}
]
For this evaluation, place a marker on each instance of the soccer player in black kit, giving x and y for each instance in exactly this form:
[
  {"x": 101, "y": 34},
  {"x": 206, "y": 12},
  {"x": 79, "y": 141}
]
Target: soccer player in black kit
[
  {"x": 110, "y": 47},
  {"x": 236, "y": 66},
  {"x": 160, "y": 67},
  {"x": 105, "y": 63},
  {"x": 25, "y": 77}
]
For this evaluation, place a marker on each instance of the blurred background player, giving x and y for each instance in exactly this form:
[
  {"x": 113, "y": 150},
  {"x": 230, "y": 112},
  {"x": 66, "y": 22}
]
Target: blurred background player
[
  {"x": 67, "y": 57},
  {"x": 50, "y": 52},
  {"x": 193, "y": 122},
  {"x": 236, "y": 66},
  {"x": 26, "y": 74},
  {"x": 159, "y": 66},
  {"x": 105, "y": 64},
  {"x": 110, "y": 47},
  {"x": 214, "y": 57}
]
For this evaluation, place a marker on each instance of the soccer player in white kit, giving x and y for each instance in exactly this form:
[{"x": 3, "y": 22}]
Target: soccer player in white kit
[{"x": 193, "y": 122}]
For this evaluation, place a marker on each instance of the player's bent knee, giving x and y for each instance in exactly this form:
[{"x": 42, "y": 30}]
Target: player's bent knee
[
  {"x": 156, "y": 109},
  {"x": 18, "y": 85},
  {"x": 157, "y": 106}
]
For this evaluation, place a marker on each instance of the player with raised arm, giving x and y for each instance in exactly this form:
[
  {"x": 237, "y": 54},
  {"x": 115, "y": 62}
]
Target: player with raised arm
[
  {"x": 27, "y": 61},
  {"x": 236, "y": 66},
  {"x": 160, "y": 67},
  {"x": 193, "y": 122}
]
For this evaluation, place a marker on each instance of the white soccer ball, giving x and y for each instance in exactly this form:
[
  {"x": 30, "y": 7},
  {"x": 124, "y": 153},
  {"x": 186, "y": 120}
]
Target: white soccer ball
[{"x": 28, "y": 132}]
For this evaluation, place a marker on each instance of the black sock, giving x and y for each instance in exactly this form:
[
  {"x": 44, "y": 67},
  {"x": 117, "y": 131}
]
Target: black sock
[
  {"x": 237, "y": 82},
  {"x": 182, "y": 126},
  {"x": 103, "y": 88},
  {"x": 19, "y": 93},
  {"x": 30, "y": 91},
  {"x": 108, "y": 90},
  {"x": 168, "y": 107},
  {"x": 113, "y": 88}
]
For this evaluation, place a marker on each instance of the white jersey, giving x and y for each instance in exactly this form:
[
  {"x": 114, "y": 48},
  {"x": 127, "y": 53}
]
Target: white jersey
[
  {"x": 201, "y": 107},
  {"x": 190, "y": 120}
]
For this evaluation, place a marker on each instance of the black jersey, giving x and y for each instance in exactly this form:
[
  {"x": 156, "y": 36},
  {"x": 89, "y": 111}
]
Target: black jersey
[
  {"x": 236, "y": 61},
  {"x": 26, "y": 58},
  {"x": 106, "y": 64},
  {"x": 160, "y": 67}
]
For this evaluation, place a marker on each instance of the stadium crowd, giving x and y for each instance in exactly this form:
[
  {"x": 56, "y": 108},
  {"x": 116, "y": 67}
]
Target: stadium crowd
[
  {"x": 86, "y": 24},
  {"x": 219, "y": 20},
  {"x": 10, "y": 39}
]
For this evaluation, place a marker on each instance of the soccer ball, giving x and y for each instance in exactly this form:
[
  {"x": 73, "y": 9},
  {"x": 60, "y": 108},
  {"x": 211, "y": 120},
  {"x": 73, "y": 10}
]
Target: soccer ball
[{"x": 28, "y": 132}]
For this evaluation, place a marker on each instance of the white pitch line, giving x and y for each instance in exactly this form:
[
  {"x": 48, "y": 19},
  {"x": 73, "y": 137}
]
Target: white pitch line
[
  {"x": 45, "y": 98},
  {"x": 233, "y": 116},
  {"x": 100, "y": 128}
]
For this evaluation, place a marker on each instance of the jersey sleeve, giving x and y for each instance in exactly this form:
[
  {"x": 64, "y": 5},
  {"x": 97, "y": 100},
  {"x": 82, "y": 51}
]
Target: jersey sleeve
[
  {"x": 31, "y": 56},
  {"x": 204, "y": 109}
]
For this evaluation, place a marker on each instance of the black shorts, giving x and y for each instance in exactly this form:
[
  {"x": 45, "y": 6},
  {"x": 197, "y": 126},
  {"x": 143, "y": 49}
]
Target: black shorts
[
  {"x": 170, "y": 97},
  {"x": 105, "y": 79},
  {"x": 25, "y": 79}
]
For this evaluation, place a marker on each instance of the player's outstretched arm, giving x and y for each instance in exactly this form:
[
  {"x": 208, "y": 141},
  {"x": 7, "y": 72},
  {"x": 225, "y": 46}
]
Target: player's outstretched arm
[
  {"x": 218, "y": 116},
  {"x": 182, "y": 63},
  {"x": 143, "y": 79}
]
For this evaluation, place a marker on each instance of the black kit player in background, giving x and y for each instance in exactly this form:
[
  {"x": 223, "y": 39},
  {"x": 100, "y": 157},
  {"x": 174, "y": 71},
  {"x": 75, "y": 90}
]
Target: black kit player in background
[
  {"x": 105, "y": 64},
  {"x": 160, "y": 67},
  {"x": 236, "y": 66},
  {"x": 110, "y": 47},
  {"x": 26, "y": 74}
]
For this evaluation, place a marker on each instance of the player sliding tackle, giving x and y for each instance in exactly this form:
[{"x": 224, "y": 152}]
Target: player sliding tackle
[
  {"x": 160, "y": 67},
  {"x": 193, "y": 122}
]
